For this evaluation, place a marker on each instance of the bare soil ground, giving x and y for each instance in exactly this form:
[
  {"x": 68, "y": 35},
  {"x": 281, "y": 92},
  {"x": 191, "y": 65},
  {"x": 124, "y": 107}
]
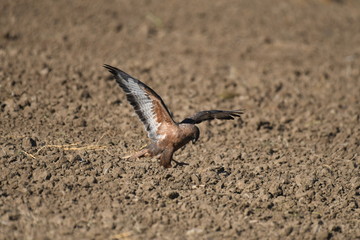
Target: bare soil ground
[{"x": 289, "y": 170}]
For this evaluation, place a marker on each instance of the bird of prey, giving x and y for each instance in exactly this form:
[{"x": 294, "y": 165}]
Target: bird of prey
[{"x": 166, "y": 135}]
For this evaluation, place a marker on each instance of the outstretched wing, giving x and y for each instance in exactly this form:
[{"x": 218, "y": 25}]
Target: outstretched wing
[
  {"x": 147, "y": 103},
  {"x": 212, "y": 114}
]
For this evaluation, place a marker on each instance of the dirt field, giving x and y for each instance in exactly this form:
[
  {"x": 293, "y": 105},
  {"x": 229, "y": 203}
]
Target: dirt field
[{"x": 288, "y": 170}]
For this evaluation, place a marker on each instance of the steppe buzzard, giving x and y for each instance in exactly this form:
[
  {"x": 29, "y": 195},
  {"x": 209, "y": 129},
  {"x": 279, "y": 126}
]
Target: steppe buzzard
[{"x": 166, "y": 135}]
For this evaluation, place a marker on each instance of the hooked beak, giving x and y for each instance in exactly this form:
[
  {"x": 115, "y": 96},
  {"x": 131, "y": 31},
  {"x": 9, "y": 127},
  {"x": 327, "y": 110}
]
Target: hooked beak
[{"x": 193, "y": 141}]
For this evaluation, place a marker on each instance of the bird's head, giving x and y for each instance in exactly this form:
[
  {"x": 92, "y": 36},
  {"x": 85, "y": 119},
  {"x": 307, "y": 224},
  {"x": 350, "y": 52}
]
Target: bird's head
[{"x": 196, "y": 135}]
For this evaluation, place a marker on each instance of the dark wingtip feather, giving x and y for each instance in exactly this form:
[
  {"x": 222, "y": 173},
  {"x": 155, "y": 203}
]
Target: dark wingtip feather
[
  {"x": 117, "y": 72},
  {"x": 237, "y": 113},
  {"x": 111, "y": 69}
]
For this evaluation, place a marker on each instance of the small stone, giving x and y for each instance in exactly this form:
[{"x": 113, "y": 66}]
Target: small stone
[
  {"x": 195, "y": 179},
  {"x": 77, "y": 158},
  {"x": 28, "y": 143},
  {"x": 44, "y": 71},
  {"x": 106, "y": 168}
]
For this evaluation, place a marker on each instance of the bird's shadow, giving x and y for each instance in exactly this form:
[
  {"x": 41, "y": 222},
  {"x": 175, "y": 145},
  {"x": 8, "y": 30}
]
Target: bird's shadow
[{"x": 180, "y": 164}]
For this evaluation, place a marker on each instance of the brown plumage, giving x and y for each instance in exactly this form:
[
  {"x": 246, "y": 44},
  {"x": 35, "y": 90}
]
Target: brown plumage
[{"x": 166, "y": 135}]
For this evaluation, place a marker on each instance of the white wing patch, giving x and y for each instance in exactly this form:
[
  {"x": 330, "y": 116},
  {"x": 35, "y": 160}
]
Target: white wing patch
[
  {"x": 147, "y": 104},
  {"x": 146, "y": 107}
]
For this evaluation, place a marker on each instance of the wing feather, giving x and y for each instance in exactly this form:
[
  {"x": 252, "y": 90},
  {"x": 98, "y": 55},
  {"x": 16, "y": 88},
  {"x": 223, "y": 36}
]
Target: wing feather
[
  {"x": 212, "y": 114},
  {"x": 147, "y": 104}
]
